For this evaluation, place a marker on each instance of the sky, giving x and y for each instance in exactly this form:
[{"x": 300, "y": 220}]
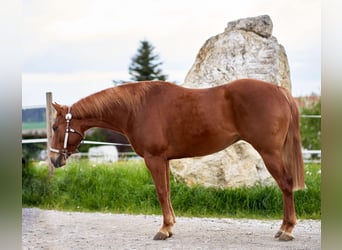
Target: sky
[{"x": 74, "y": 48}]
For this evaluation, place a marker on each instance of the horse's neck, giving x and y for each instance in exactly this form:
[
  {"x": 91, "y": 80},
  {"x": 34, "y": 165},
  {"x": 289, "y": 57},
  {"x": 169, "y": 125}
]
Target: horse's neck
[
  {"x": 115, "y": 120},
  {"x": 93, "y": 122}
]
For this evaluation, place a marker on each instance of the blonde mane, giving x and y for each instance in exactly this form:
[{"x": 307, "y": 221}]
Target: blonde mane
[{"x": 130, "y": 96}]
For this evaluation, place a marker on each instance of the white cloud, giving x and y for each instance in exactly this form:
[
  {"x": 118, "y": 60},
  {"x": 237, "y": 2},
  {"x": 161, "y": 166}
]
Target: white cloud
[
  {"x": 306, "y": 87},
  {"x": 72, "y": 37},
  {"x": 67, "y": 88}
]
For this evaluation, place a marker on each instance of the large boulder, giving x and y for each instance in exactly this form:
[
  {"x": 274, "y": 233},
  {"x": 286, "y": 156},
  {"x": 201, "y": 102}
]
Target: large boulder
[{"x": 246, "y": 49}]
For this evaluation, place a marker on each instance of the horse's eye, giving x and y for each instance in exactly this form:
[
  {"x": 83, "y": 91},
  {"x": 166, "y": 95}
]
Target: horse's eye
[{"x": 54, "y": 128}]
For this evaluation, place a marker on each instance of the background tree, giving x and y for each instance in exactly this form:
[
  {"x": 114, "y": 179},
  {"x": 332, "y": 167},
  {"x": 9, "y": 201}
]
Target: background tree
[
  {"x": 311, "y": 127},
  {"x": 145, "y": 64}
]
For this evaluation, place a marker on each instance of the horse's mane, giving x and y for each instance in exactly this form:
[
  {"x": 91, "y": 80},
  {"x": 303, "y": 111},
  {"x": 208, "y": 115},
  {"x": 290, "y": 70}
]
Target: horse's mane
[{"x": 130, "y": 96}]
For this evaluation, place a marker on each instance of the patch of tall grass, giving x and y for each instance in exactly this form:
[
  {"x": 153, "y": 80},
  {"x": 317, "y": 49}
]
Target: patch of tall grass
[{"x": 127, "y": 187}]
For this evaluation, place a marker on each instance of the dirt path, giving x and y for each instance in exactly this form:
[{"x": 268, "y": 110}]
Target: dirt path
[{"x": 48, "y": 229}]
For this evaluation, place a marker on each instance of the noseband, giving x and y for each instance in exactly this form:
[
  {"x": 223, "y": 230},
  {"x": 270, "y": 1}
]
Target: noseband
[{"x": 68, "y": 130}]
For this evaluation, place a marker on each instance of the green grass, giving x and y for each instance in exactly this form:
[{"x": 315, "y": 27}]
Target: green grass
[{"x": 126, "y": 187}]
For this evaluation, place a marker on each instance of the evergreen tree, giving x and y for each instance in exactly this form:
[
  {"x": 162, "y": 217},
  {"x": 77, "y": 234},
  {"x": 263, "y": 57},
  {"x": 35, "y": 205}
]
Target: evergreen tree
[{"x": 145, "y": 64}]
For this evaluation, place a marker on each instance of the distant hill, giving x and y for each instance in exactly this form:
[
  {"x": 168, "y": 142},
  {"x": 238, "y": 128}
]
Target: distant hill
[
  {"x": 33, "y": 121},
  {"x": 33, "y": 115}
]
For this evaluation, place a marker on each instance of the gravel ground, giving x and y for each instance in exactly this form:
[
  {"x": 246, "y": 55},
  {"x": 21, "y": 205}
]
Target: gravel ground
[{"x": 49, "y": 229}]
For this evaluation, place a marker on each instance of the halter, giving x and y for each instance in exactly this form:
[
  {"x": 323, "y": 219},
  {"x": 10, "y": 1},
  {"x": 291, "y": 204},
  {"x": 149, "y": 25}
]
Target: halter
[{"x": 68, "y": 130}]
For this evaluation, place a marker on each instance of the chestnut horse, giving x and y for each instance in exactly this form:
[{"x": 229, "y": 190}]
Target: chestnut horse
[{"x": 163, "y": 121}]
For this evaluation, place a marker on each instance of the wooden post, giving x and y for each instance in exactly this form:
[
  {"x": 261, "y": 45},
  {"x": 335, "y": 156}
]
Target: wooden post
[{"x": 49, "y": 118}]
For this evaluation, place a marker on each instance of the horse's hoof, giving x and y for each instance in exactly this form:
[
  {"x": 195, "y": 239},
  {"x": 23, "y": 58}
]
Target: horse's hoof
[
  {"x": 285, "y": 236},
  {"x": 280, "y": 232},
  {"x": 160, "y": 236}
]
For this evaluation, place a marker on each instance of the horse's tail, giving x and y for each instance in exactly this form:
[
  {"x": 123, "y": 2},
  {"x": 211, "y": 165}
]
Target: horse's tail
[{"x": 292, "y": 150}]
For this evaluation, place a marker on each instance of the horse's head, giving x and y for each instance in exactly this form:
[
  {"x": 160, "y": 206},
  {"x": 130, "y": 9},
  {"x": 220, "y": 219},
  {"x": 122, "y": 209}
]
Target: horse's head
[{"x": 67, "y": 135}]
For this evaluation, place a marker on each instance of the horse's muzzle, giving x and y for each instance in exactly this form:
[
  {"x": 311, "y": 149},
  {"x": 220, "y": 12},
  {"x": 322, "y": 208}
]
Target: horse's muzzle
[{"x": 58, "y": 162}]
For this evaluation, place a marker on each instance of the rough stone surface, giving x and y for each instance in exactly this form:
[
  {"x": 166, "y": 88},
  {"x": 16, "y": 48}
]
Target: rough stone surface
[
  {"x": 246, "y": 49},
  {"x": 238, "y": 165},
  {"x": 240, "y": 53},
  {"x": 261, "y": 25}
]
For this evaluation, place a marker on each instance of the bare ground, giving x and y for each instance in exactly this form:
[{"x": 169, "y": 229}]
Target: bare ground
[{"x": 49, "y": 229}]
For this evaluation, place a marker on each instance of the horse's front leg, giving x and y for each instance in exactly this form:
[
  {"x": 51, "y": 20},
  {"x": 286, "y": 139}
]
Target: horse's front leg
[{"x": 159, "y": 169}]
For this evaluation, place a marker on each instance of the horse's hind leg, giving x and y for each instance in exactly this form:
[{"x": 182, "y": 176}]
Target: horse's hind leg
[
  {"x": 168, "y": 185},
  {"x": 159, "y": 170},
  {"x": 275, "y": 166}
]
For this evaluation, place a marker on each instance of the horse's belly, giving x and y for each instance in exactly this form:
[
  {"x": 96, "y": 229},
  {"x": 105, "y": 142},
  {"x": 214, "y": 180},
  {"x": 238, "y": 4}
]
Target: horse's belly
[{"x": 201, "y": 146}]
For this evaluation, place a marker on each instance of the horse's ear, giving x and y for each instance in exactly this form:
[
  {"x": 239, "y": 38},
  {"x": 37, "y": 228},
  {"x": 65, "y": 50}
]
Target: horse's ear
[{"x": 56, "y": 106}]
